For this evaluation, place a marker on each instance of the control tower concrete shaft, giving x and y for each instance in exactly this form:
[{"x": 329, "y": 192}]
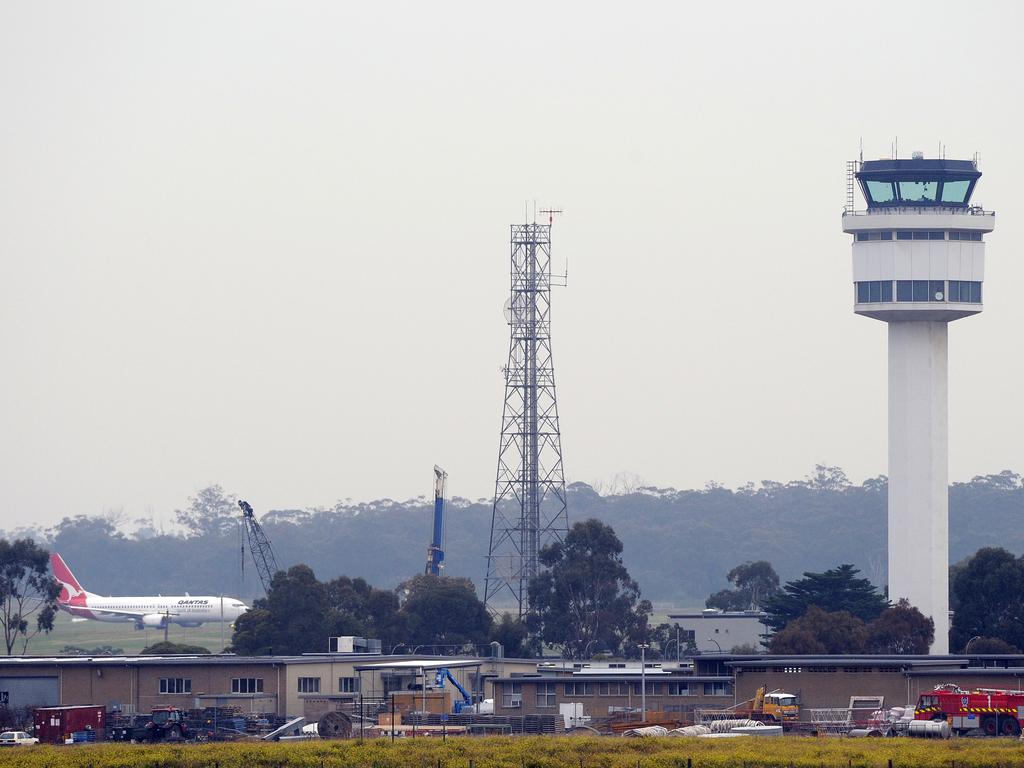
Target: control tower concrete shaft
[{"x": 919, "y": 263}]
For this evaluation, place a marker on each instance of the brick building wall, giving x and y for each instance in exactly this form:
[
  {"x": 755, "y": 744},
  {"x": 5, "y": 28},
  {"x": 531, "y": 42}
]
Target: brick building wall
[{"x": 600, "y": 699}]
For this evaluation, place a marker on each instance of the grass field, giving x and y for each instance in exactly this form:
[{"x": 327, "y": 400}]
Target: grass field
[
  {"x": 538, "y": 752},
  {"x": 91, "y": 634}
]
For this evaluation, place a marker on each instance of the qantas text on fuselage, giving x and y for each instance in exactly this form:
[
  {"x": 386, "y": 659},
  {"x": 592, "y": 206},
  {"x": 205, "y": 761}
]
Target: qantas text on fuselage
[{"x": 144, "y": 611}]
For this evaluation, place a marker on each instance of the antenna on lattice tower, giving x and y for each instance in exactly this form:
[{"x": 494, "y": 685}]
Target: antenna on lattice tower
[
  {"x": 551, "y": 212},
  {"x": 562, "y": 280}
]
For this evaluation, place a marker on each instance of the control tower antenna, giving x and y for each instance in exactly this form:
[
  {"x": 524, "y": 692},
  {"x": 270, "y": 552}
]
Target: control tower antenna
[
  {"x": 919, "y": 264},
  {"x": 529, "y": 490}
]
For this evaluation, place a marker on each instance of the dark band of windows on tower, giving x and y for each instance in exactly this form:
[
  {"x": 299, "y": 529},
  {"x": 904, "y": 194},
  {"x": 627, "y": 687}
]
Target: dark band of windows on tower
[
  {"x": 881, "y": 291},
  {"x": 919, "y": 234}
]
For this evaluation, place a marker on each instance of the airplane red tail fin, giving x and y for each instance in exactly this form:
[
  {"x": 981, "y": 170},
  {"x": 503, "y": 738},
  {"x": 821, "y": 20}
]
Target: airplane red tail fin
[{"x": 71, "y": 592}]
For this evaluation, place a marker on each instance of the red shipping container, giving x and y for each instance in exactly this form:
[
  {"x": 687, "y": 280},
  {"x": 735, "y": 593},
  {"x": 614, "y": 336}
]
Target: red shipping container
[{"x": 54, "y": 725}]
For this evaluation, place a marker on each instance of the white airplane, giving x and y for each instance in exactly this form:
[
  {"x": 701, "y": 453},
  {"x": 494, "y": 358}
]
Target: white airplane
[{"x": 146, "y": 612}]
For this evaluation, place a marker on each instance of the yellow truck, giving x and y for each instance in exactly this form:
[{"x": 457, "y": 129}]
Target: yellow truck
[{"x": 775, "y": 707}]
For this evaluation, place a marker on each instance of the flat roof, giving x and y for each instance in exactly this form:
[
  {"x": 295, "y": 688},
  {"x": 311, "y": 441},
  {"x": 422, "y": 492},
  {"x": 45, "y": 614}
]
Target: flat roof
[
  {"x": 613, "y": 679},
  {"x": 844, "y": 661},
  {"x": 232, "y": 659},
  {"x": 756, "y": 616},
  {"x": 432, "y": 663},
  {"x": 1017, "y": 671},
  {"x": 920, "y": 164}
]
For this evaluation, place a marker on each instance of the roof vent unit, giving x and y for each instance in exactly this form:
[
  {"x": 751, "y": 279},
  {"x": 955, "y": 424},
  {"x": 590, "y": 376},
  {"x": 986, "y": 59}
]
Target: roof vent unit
[{"x": 353, "y": 644}]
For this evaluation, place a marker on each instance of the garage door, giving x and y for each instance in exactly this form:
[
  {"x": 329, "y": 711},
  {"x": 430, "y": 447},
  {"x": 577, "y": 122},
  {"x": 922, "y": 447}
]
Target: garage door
[{"x": 29, "y": 692}]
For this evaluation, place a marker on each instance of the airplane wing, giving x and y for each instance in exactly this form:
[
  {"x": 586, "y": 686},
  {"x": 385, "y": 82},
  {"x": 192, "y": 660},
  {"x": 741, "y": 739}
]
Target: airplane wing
[
  {"x": 118, "y": 612},
  {"x": 133, "y": 614}
]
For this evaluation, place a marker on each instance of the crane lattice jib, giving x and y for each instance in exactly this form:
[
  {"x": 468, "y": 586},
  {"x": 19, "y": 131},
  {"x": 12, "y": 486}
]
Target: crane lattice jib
[{"x": 259, "y": 546}]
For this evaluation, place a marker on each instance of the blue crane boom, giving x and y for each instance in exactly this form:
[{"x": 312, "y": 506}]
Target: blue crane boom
[
  {"x": 435, "y": 552},
  {"x": 445, "y": 674}
]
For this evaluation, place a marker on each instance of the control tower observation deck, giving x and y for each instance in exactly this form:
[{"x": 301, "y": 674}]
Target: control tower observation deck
[{"x": 918, "y": 263}]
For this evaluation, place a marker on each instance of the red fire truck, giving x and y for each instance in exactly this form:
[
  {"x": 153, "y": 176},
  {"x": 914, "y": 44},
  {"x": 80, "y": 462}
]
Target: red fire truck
[{"x": 994, "y": 711}]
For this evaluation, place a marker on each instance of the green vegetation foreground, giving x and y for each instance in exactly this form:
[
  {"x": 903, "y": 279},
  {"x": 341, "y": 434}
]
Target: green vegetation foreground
[{"x": 537, "y": 752}]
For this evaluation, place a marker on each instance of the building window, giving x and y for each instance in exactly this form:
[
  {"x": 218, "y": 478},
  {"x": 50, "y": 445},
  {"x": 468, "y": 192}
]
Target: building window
[
  {"x": 613, "y": 689},
  {"x": 688, "y": 636},
  {"x": 965, "y": 291},
  {"x": 920, "y": 290},
  {"x": 546, "y": 694},
  {"x": 247, "y": 685},
  {"x": 880, "y": 191},
  {"x": 579, "y": 689},
  {"x": 718, "y": 689},
  {"x": 175, "y": 685},
  {"x": 975, "y": 236},
  {"x": 512, "y": 695},
  {"x": 681, "y": 689},
  {"x": 871, "y": 292},
  {"x": 918, "y": 191},
  {"x": 923, "y": 234},
  {"x": 865, "y": 236},
  {"x": 936, "y": 290},
  {"x": 348, "y": 684},
  {"x": 955, "y": 191},
  {"x": 653, "y": 689},
  {"x": 309, "y": 685}
]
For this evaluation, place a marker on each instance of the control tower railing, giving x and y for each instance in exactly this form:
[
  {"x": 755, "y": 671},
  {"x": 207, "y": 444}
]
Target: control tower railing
[{"x": 974, "y": 210}]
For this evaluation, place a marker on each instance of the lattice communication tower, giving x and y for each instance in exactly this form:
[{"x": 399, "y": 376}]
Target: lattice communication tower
[{"x": 529, "y": 491}]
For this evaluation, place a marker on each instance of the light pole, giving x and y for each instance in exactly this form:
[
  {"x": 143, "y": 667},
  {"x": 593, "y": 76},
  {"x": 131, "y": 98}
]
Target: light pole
[
  {"x": 967, "y": 648},
  {"x": 669, "y": 645},
  {"x": 712, "y": 640},
  {"x": 643, "y": 682}
]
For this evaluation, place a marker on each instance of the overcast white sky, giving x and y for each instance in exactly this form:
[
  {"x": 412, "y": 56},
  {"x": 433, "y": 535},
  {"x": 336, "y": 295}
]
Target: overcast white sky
[{"x": 266, "y": 244}]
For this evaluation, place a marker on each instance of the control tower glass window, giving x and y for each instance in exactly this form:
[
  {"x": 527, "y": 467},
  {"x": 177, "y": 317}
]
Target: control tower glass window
[
  {"x": 917, "y": 182},
  {"x": 918, "y": 191},
  {"x": 881, "y": 191},
  {"x": 955, "y": 191}
]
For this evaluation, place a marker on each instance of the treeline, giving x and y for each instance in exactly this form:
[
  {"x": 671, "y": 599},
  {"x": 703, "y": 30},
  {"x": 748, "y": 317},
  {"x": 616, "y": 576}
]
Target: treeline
[{"x": 678, "y": 544}]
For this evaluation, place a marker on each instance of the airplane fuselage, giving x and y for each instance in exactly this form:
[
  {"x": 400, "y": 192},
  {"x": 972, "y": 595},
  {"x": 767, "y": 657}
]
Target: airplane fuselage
[{"x": 154, "y": 611}]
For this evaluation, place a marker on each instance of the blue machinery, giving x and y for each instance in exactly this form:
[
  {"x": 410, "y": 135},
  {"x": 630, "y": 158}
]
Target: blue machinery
[
  {"x": 445, "y": 674},
  {"x": 435, "y": 552}
]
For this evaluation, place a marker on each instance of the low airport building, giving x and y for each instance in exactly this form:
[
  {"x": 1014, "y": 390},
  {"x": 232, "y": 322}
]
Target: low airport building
[
  {"x": 309, "y": 685},
  {"x": 304, "y": 685},
  {"x": 603, "y": 690}
]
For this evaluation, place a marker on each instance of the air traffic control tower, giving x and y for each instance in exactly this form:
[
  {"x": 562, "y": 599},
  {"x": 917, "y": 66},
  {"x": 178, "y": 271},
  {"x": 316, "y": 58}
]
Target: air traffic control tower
[{"x": 918, "y": 263}]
